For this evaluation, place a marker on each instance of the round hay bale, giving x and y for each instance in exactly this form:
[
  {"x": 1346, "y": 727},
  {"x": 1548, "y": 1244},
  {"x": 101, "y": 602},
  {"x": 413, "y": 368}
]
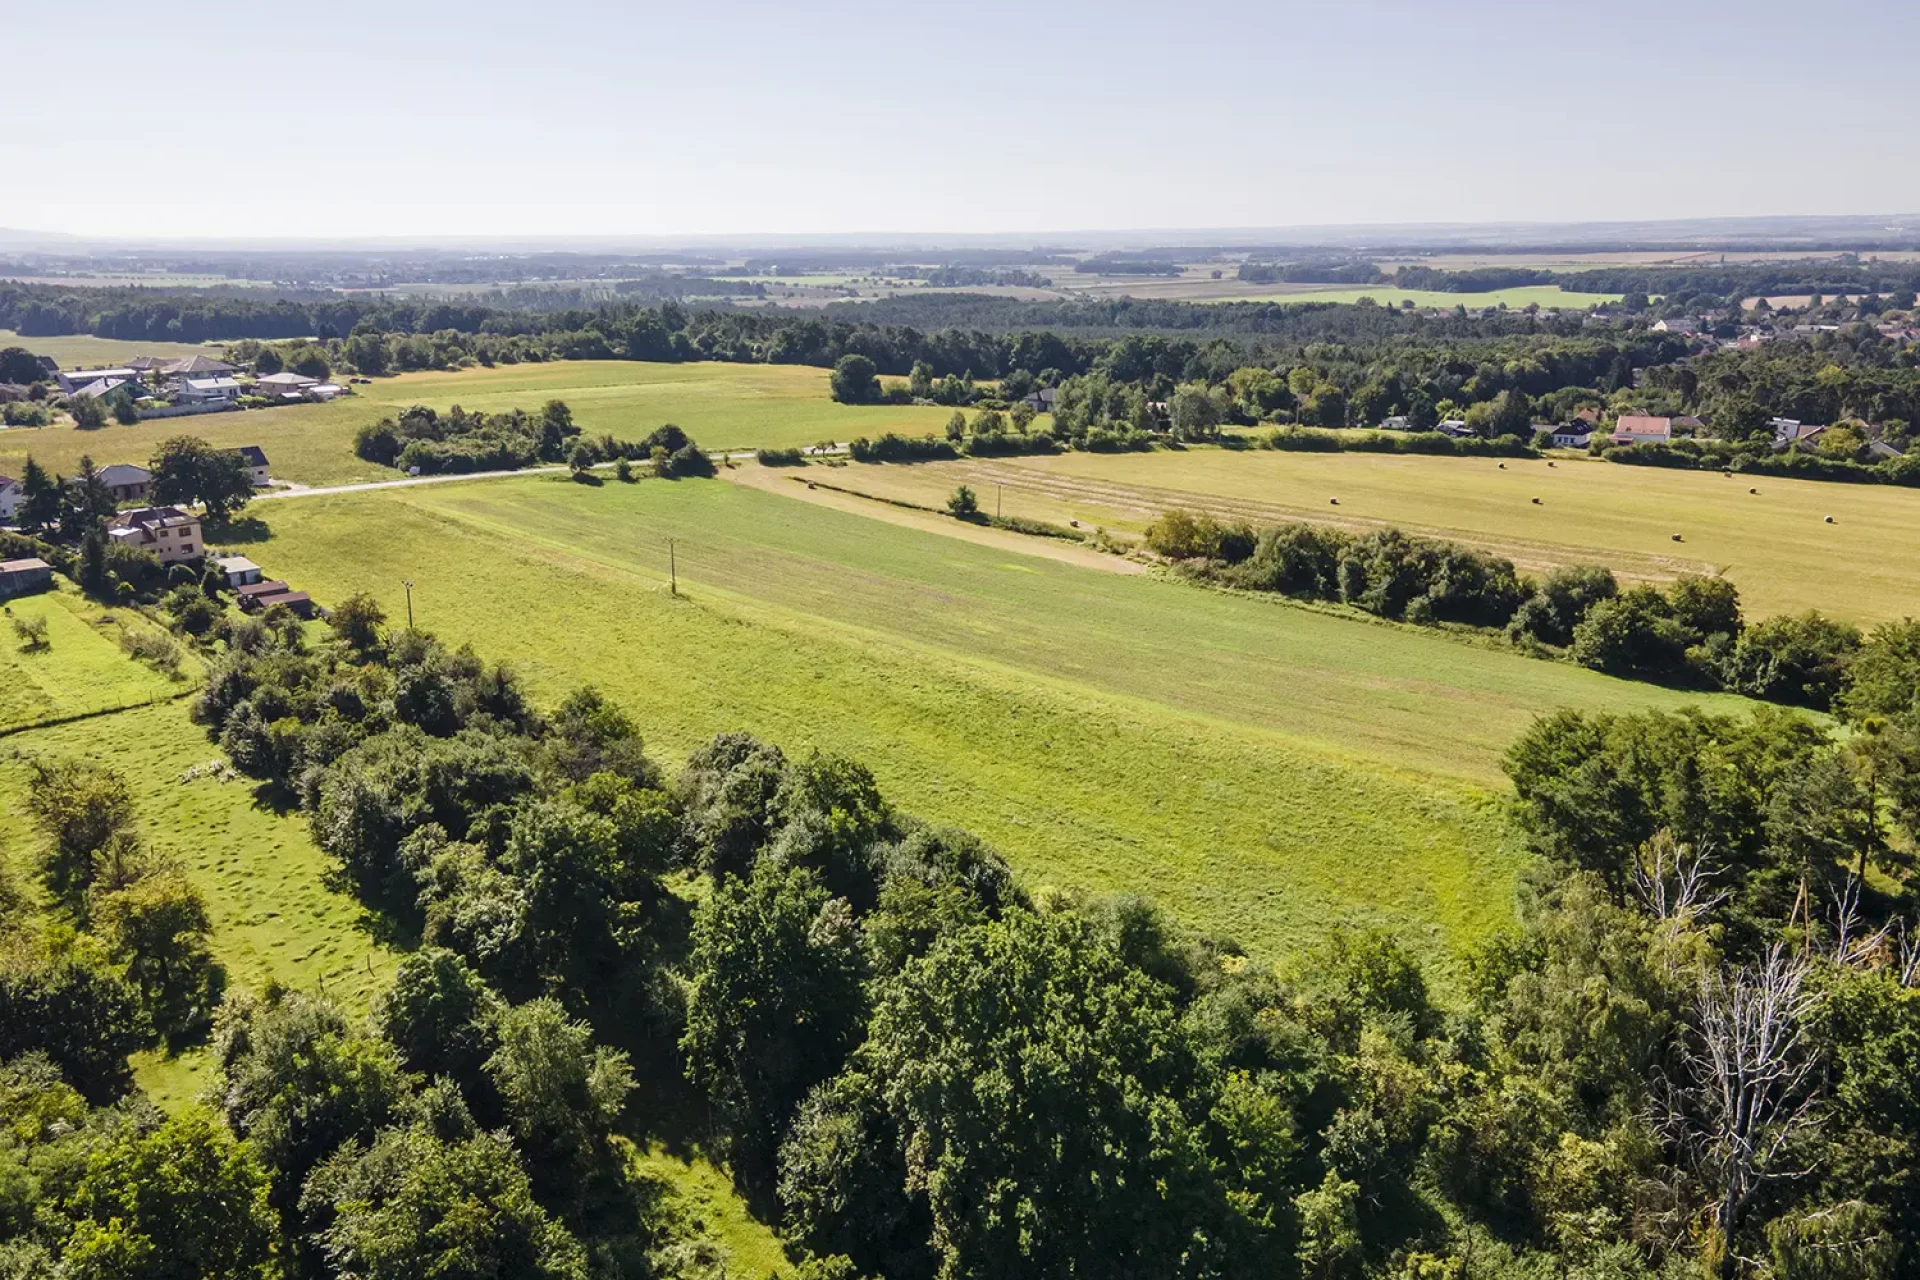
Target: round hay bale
[
  {"x": 1829, "y": 519},
  {"x": 1503, "y": 466},
  {"x": 1333, "y": 502},
  {"x": 1678, "y": 538},
  {"x": 1753, "y": 491},
  {"x": 1536, "y": 502}
]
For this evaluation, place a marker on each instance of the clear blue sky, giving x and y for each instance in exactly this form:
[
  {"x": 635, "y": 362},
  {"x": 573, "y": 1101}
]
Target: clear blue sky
[{"x": 585, "y": 117}]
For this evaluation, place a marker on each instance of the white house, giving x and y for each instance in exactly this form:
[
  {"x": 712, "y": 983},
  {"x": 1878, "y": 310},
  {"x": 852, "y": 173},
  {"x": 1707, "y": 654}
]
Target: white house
[
  {"x": 208, "y": 390},
  {"x": 1574, "y": 435},
  {"x": 1634, "y": 428},
  {"x": 11, "y": 496}
]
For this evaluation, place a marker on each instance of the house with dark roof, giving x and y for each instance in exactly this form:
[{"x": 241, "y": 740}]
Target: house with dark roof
[
  {"x": 256, "y": 460},
  {"x": 1573, "y": 435},
  {"x": 126, "y": 482},
  {"x": 171, "y": 534},
  {"x": 11, "y": 496},
  {"x": 199, "y": 367}
]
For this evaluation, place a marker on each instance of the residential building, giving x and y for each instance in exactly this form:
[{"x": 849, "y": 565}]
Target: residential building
[
  {"x": 11, "y": 496},
  {"x": 18, "y": 577},
  {"x": 208, "y": 390},
  {"x": 199, "y": 367},
  {"x": 1788, "y": 432},
  {"x": 126, "y": 482},
  {"x": 1633, "y": 428},
  {"x": 1397, "y": 422},
  {"x": 1455, "y": 427},
  {"x": 1041, "y": 401},
  {"x": 256, "y": 461},
  {"x": 240, "y": 571},
  {"x": 13, "y": 391},
  {"x": 285, "y": 384},
  {"x": 1573, "y": 435},
  {"x": 72, "y": 380},
  {"x": 101, "y": 388},
  {"x": 171, "y": 534}
]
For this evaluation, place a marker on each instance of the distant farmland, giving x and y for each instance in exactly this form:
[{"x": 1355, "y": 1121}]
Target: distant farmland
[
  {"x": 723, "y": 406},
  {"x": 1775, "y": 545}
]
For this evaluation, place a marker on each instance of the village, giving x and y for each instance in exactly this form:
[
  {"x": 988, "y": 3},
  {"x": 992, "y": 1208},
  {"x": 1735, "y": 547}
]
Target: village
[{"x": 160, "y": 388}]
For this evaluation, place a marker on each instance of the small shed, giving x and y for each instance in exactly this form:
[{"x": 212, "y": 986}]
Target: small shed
[
  {"x": 239, "y": 571},
  {"x": 18, "y": 577}
]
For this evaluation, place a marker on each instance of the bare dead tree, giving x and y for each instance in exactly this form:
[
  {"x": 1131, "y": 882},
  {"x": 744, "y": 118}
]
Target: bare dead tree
[
  {"x": 1749, "y": 1080},
  {"x": 1675, "y": 881}
]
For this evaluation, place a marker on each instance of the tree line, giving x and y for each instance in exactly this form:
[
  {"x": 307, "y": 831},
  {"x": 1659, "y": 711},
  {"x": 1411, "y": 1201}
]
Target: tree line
[{"x": 1689, "y": 634}]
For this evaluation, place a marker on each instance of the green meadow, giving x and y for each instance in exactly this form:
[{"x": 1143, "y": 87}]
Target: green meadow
[
  {"x": 1265, "y": 770},
  {"x": 274, "y": 919},
  {"x": 723, "y": 406},
  {"x": 81, "y": 668}
]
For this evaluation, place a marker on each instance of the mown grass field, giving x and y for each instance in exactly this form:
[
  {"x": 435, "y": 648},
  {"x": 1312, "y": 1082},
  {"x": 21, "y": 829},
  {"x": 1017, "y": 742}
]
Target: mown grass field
[
  {"x": 86, "y": 350},
  {"x": 1265, "y": 771},
  {"x": 1775, "y": 545},
  {"x": 82, "y": 669},
  {"x": 723, "y": 406}
]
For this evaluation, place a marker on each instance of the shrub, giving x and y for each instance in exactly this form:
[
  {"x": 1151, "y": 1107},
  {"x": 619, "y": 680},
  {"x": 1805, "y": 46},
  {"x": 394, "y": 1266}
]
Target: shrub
[
  {"x": 781, "y": 458},
  {"x": 1801, "y": 660}
]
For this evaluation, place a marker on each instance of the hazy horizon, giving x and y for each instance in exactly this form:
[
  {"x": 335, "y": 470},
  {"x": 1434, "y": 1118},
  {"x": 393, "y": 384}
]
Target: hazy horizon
[{"x": 607, "y": 122}]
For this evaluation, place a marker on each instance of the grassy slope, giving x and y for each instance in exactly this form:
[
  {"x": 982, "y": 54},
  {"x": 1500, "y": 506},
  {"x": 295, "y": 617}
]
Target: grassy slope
[
  {"x": 1264, "y": 770},
  {"x": 1775, "y": 545},
  {"x": 82, "y": 669},
  {"x": 273, "y": 917},
  {"x": 720, "y": 405}
]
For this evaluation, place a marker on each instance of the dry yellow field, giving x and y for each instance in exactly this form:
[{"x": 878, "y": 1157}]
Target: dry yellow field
[{"x": 1774, "y": 544}]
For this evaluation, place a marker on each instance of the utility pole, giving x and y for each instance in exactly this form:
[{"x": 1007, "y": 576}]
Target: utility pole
[
  {"x": 408, "y": 584},
  {"x": 996, "y": 499},
  {"x": 673, "y": 571}
]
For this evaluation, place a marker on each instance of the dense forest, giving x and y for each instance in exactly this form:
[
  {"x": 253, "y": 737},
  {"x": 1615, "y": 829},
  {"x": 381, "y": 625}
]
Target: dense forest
[{"x": 1694, "y": 1051}]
